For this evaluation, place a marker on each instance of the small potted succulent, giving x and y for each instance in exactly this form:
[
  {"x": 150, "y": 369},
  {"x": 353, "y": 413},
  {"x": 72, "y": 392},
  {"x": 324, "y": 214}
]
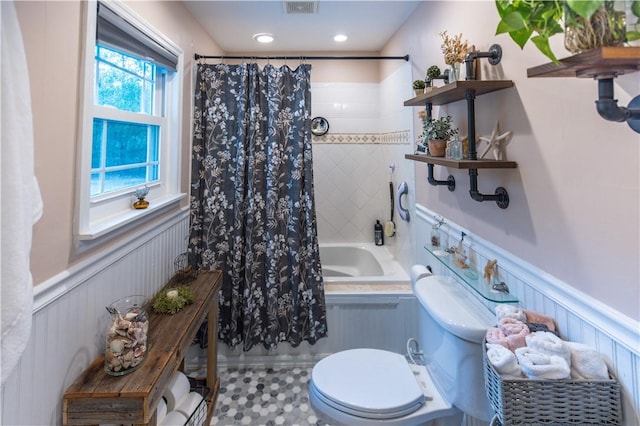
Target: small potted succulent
[
  {"x": 418, "y": 86},
  {"x": 141, "y": 194},
  {"x": 437, "y": 131},
  {"x": 433, "y": 72}
]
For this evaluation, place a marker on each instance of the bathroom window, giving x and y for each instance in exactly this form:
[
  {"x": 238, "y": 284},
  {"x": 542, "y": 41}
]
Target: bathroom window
[
  {"x": 130, "y": 124},
  {"x": 127, "y": 121}
]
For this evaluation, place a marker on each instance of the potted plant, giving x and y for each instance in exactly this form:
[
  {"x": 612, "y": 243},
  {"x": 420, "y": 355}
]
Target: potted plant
[
  {"x": 437, "y": 131},
  {"x": 433, "y": 72},
  {"x": 586, "y": 24},
  {"x": 141, "y": 194},
  {"x": 418, "y": 86},
  {"x": 633, "y": 23},
  {"x": 454, "y": 51}
]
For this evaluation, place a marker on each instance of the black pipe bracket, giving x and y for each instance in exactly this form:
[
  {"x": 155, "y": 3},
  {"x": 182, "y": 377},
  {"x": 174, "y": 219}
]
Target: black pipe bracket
[
  {"x": 608, "y": 107},
  {"x": 493, "y": 55},
  {"x": 450, "y": 183}
]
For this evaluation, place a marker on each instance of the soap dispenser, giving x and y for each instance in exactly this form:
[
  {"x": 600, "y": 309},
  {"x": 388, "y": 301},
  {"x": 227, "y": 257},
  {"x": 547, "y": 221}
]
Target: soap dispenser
[{"x": 378, "y": 236}]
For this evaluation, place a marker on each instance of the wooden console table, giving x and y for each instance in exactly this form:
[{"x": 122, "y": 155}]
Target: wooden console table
[{"x": 96, "y": 397}]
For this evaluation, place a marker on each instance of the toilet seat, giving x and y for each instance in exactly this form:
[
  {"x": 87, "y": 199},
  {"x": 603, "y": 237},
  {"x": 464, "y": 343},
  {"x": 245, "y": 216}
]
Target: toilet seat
[{"x": 367, "y": 383}]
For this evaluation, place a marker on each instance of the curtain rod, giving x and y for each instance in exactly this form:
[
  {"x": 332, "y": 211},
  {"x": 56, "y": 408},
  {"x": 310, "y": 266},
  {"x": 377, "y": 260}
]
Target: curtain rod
[{"x": 304, "y": 58}]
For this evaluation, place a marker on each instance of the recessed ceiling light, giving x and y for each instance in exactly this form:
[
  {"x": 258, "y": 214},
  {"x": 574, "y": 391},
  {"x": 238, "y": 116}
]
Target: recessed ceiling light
[
  {"x": 263, "y": 37},
  {"x": 340, "y": 38}
]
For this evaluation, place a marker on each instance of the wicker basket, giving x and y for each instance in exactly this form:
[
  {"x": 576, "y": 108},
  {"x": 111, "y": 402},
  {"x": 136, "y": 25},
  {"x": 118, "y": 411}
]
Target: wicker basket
[{"x": 535, "y": 402}]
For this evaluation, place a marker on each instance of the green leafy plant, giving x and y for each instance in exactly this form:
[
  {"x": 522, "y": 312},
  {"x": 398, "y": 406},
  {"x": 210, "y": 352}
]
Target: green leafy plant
[
  {"x": 433, "y": 72},
  {"x": 418, "y": 84},
  {"x": 539, "y": 20},
  {"x": 439, "y": 128}
]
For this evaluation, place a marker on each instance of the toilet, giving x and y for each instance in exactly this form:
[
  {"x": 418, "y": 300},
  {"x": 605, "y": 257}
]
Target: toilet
[{"x": 377, "y": 387}]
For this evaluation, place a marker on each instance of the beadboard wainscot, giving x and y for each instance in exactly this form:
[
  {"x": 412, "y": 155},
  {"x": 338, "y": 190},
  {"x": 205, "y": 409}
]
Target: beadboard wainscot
[{"x": 69, "y": 315}]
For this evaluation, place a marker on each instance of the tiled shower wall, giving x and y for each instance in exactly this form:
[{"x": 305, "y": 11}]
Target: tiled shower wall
[{"x": 369, "y": 129}]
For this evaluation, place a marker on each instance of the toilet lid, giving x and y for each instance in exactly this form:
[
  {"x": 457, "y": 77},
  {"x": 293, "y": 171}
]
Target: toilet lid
[{"x": 368, "y": 383}]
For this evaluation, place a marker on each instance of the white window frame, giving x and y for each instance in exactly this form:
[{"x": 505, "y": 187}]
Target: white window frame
[{"x": 110, "y": 213}]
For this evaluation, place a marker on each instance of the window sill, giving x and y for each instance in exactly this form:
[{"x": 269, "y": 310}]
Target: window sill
[{"x": 104, "y": 227}]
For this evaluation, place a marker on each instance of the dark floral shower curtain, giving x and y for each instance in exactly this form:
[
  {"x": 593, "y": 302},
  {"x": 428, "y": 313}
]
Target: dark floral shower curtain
[{"x": 252, "y": 202}]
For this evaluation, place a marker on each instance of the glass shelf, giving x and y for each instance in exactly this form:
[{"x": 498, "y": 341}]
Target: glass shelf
[{"x": 470, "y": 277}]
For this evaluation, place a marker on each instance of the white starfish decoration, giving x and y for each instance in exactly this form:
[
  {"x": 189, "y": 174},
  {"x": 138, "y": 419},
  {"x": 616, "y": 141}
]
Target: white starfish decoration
[{"x": 495, "y": 142}]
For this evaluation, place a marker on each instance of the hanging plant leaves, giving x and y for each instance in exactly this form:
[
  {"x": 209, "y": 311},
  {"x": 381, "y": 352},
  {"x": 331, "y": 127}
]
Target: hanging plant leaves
[{"x": 584, "y": 8}]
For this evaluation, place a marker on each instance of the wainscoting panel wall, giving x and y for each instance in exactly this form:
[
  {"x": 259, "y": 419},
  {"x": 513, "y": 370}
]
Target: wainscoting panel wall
[
  {"x": 362, "y": 320},
  {"x": 70, "y": 320},
  {"x": 579, "y": 317}
]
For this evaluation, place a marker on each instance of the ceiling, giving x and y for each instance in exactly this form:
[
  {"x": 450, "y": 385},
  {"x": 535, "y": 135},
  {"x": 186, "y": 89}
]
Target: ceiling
[{"x": 367, "y": 24}]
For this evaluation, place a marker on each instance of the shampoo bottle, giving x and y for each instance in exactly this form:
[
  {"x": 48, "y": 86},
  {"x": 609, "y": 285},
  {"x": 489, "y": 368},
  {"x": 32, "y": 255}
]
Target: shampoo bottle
[{"x": 378, "y": 236}]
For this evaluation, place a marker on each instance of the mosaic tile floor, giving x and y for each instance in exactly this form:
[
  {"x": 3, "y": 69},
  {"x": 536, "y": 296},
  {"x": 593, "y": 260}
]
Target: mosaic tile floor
[{"x": 265, "y": 397}]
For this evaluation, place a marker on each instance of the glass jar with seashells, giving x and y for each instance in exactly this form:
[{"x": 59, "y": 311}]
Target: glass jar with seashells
[{"x": 126, "y": 342}]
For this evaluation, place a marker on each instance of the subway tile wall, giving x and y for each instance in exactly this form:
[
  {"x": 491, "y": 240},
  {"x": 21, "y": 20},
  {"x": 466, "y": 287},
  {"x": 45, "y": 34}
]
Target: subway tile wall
[{"x": 369, "y": 129}]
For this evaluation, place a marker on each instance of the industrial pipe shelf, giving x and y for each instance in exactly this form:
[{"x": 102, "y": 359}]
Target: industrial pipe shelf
[
  {"x": 602, "y": 64},
  {"x": 481, "y": 163},
  {"x": 452, "y": 92}
]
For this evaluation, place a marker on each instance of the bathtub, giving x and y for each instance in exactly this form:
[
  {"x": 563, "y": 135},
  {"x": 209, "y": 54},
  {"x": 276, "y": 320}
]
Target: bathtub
[{"x": 366, "y": 264}]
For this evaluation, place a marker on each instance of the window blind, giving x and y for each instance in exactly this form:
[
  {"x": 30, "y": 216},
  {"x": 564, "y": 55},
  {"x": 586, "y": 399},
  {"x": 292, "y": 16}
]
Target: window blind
[{"x": 115, "y": 32}]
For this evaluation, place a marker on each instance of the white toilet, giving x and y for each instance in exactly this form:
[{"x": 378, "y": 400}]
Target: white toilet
[{"x": 371, "y": 387}]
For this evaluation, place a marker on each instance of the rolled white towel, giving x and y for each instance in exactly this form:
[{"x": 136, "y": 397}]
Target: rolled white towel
[
  {"x": 509, "y": 311},
  {"x": 503, "y": 360},
  {"x": 536, "y": 365},
  {"x": 549, "y": 344},
  {"x": 586, "y": 362}
]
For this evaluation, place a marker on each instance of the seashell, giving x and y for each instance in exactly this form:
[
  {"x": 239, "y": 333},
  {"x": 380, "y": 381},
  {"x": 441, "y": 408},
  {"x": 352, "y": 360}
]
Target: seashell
[
  {"x": 126, "y": 364},
  {"x": 131, "y": 315},
  {"x": 127, "y": 357},
  {"x": 139, "y": 351},
  {"x": 139, "y": 334},
  {"x": 121, "y": 332},
  {"x": 116, "y": 346}
]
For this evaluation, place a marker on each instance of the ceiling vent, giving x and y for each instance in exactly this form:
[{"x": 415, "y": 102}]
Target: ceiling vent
[{"x": 300, "y": 7}]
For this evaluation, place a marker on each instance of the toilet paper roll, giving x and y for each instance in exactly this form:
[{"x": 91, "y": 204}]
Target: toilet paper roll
[
  {"x": 173, "y": 418},
  {"x": 419, "y": 271},
  {"x": 177, "y": 389},
  {"x": 189, "y": 404},
  {"x": 161, "y": 410}
]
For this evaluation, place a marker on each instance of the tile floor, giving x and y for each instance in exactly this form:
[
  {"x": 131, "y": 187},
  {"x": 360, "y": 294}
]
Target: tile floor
[{"x": 264, "y": 397}]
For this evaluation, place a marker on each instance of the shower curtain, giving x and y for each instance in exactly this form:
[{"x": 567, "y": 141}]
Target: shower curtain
[{"x": 252, "y": 202}]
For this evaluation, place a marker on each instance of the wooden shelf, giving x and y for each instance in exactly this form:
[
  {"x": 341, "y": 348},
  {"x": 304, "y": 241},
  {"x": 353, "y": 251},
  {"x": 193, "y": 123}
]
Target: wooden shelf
[
  {"x": 603, "y": 60},
  {"x": 462, "y": 164},
  {"x": 97, "y": 398},
  {"x": 457, "y": 91}
]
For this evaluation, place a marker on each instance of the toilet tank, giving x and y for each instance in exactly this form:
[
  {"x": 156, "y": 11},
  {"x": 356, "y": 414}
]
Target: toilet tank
[{"x": 453, "y": 324}]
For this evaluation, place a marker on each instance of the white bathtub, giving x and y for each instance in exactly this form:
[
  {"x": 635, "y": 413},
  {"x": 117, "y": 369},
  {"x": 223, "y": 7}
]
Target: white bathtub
[{"x": 349, "y": 263}]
